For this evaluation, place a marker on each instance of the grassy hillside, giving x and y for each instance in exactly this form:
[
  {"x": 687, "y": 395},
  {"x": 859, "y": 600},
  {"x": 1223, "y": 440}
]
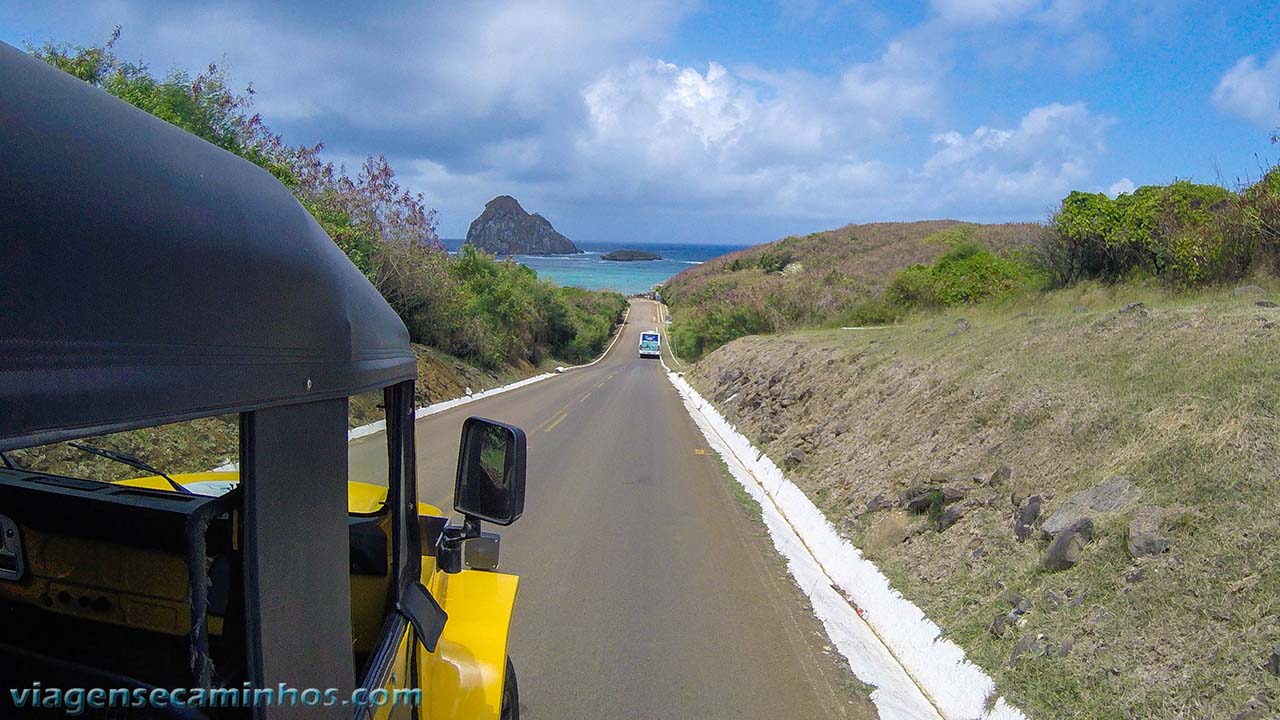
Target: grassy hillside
[
  {"x": 829, "y": 278},
  {"x": 1180, "y": 236},
  {"x": 1175, "y": 390}
]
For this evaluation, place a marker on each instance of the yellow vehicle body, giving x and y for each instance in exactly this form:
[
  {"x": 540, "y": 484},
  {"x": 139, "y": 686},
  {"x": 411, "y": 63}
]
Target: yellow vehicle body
[{"x": 464, "y": 677}]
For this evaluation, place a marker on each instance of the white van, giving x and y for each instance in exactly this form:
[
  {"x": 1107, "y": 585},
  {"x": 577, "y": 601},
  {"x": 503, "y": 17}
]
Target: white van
[{"x": 649, "y": 343}]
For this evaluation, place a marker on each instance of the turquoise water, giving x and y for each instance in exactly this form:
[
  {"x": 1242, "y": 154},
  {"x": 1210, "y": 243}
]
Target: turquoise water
[{"x": 589, "y": 271}]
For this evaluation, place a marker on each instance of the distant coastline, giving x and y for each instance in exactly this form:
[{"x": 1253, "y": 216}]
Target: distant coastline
[{"x": 592, "y": 272}]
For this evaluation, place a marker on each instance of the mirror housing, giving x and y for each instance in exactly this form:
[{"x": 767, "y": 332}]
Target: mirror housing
[{"x": 491, "y": 471}]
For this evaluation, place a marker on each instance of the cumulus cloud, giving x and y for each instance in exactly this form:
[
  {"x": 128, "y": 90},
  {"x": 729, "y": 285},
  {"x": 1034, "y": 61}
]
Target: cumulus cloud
[
  {"x": 563, "y": 104},
  {"x": 1251, "y": 90},
  {"x": 806, "y": 147},
  {"x": 903, "y": 83},
  {"x": 663, "y": 140},
  {"x": 438, "y": 79},
  {"x": 1052, "y": 149},
  {"x": 679, "y": 134}
]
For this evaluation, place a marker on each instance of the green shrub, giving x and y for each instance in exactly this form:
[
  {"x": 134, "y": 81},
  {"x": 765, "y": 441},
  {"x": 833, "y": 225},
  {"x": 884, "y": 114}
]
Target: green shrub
[
  {"x": 701, "y": 331},
  {"x": 912, "y": 287},
  {"x": 1256, "y": 222},
  {"x": 969, "y": 274},
  {"x": 775, "y": 260},
  {"x": 964, "y": 274},
  {"x": 870, "y": 312},
  {"x": 1076, "y": 246},
  {"x": 959, "y": 234},
  {"x": 1172, "y": 232},
  {"x": 590, "y": 317},
  {"x": 493, "y": 312}
]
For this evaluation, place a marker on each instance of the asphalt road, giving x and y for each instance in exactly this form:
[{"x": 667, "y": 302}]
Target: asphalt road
[{"x": 647, "y": 589}]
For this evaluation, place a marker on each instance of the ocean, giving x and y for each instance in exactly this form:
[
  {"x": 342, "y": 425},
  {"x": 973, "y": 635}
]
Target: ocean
[{"x": 589, "y": 271}]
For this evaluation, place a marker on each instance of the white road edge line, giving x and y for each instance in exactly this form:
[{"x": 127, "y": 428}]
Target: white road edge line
[
  {"x": 374, "y": 428},
  {"x": 448, "y": 404},
  {"x": 917, "y": 673}
]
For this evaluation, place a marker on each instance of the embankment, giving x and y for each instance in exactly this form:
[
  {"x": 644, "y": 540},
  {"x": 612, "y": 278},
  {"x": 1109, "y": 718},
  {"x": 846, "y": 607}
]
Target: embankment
[{"x": 946, "y": 446}]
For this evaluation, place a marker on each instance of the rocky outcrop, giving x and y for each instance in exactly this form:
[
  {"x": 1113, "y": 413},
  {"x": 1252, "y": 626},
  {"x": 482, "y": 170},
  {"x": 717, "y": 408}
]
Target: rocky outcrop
[
  {"x": 1068, "y": 545},
  {"x": 1025, "y": 517},
  {"x": 793, "y": 458},
  {"x": 504, "y": 228},
  {"x": 630, "y": 255},
  {"x": 1145, "y": 537},
  {"x": 1112, "y": 496}
]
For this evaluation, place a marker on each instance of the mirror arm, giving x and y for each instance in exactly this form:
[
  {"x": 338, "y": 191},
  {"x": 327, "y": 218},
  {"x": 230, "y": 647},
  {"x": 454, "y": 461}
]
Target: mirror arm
[{"x": 449, "y": 547}]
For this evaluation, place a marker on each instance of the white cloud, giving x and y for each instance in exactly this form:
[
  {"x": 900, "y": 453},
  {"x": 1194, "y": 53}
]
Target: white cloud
[
  {"x": 799, "y": 146},
  {"x": 1252, "y": 90},
  {"x": 1123, "y": 186},
  {"x": 556, "y": 102},
  {"x": 507, "y": 68},
  {"x": 518, "y": 49},
  {"x": 984, "y": 12},
  {"x": 1052, "y": 149},
  {"x": 778, "y": 142},
  {"x": 903, "y": 83},
  {"x": 709, "y": 105}
]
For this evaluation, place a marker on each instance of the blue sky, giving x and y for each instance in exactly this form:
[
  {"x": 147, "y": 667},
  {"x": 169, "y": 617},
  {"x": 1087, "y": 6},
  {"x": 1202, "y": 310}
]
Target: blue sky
[{"x": 736, "y": 122}]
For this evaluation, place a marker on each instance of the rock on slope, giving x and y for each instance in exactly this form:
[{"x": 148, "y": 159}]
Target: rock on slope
[{"x": 504, "y": 228}]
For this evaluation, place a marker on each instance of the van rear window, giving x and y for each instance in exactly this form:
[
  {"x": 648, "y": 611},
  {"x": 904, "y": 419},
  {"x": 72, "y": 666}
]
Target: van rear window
[{"x": 649, "y": 337}]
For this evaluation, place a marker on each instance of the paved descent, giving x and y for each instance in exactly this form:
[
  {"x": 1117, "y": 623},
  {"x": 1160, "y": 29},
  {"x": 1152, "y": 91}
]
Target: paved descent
[{"x": 646, "y": 590}]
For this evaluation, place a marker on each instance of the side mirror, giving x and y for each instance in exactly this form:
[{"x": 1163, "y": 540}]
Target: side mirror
[{"x": 491, "y": 469}]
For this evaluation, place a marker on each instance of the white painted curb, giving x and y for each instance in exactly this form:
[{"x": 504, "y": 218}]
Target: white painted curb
[
  {"x": 443, "y": 405},
  {"x": 381, "y": 425},
  {"x": 887, "y": 640}
]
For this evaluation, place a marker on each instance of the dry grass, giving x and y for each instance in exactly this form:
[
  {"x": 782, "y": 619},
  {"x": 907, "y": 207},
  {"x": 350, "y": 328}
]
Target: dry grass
[
  {"x": 1182, "y": 396},
  {"x": 824, "y": 279},
  {"x": 867, "y": 254}
]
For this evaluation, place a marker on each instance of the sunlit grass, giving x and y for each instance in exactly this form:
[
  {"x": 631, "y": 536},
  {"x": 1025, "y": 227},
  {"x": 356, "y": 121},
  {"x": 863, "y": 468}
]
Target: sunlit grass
[{"x": 1067, "y": 388}]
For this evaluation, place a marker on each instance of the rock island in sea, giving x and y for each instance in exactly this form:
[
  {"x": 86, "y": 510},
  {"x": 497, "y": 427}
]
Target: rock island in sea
[{"x": 504, "y": 228}]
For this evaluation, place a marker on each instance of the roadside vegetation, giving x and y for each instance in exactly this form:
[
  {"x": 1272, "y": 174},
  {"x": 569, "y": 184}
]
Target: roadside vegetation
[
  {"x": 495, "y": 314},
  {"x": 476, "y": 322},
  {"x": 1178, "y": 236},
  {"x": 843, "y": 277}
]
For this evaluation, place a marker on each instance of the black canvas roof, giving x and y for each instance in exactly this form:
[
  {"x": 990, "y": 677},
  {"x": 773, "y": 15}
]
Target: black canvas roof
[{"x": 149, "y": 276}]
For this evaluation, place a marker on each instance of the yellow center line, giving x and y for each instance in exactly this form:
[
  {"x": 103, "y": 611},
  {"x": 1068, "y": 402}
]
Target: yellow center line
[
  {"x": 553, "y": 418},
  {"x": 558, "y": 420},
  {"x": 584, "y": 397}
]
